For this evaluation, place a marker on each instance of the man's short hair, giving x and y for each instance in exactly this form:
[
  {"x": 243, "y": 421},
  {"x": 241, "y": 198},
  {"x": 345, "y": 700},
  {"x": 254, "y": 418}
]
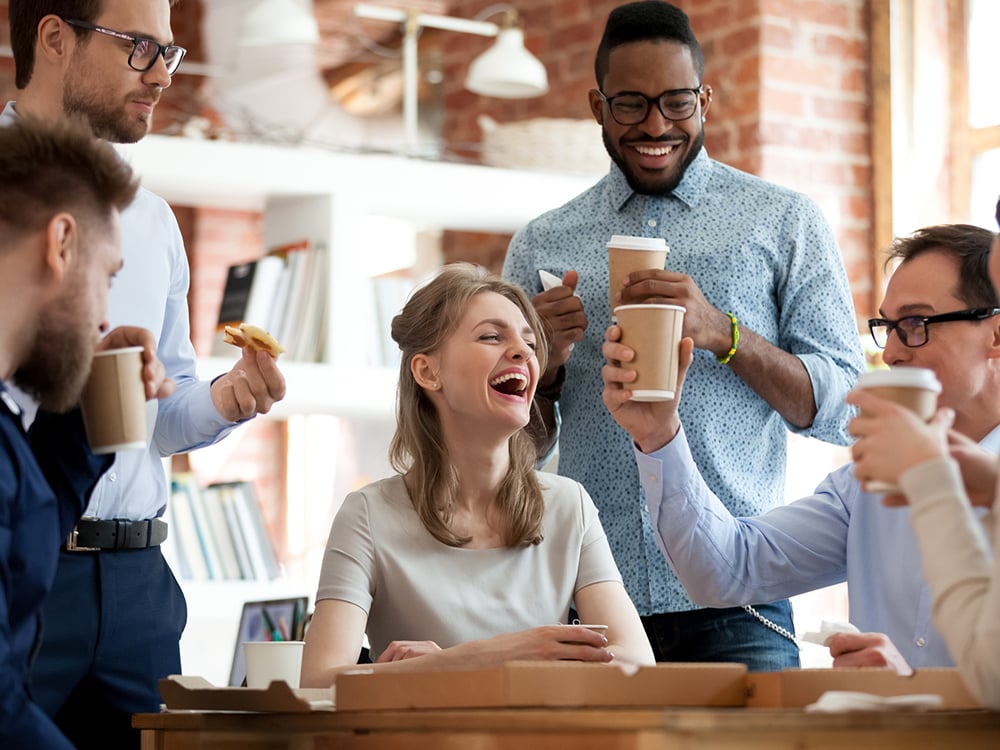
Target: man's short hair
[
  {"x": 50, "y": 167},
  {"x": 23, "y": 17},
  {"x": 644, "y": 21},
  {"x": 970, "y": 244}
]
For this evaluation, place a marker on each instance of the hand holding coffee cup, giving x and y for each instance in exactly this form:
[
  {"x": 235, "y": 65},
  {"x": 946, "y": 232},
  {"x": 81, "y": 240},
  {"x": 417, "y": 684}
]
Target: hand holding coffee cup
[
  {"x": 652, "y": 424},
  {"x": 627, "y": 254},
  {"x": 114, "y": 401},
  {"x": 882, "y": 432},
  {"x": 654, "y": 333}
]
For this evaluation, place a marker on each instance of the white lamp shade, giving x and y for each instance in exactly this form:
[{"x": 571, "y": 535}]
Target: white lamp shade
[
  {"x": 279, "y": 22},
  {"x": 507, "y": 70}
]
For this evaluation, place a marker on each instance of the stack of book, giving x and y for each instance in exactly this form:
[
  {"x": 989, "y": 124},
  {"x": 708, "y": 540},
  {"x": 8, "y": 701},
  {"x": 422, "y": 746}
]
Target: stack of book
[
  {"x": 218, "y": 533},
  {"x": 284, "y": 292}
]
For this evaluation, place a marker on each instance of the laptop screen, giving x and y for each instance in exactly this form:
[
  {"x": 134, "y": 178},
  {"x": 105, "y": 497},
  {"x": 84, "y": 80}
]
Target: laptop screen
[{"x": 271, "y": 620}]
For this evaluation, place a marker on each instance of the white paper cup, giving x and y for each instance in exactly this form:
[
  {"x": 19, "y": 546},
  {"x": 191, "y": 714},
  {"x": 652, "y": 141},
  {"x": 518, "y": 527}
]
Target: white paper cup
[
  {"x": 916, "y": 388},
  {"x": 114, "y": 401},
  {"x": 268, "y": 661}
]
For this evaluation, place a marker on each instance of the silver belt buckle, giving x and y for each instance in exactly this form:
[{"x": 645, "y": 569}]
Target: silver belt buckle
[{"x": 72, "y": 546}]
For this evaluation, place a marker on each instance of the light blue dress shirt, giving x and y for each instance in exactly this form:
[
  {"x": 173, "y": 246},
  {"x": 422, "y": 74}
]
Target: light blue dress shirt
[
  {"x": 839, "y": 533},
  {"x": 757, "y": 250},
  {"x": 150, "y": 291}
]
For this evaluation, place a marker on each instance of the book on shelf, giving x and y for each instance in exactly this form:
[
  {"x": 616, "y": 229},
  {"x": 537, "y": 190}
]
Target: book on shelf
[
  {"x": 220, "y": 532},
  {"x": 258, "y": 542},
  {"x": 247, "y": 298},
  {"x": 185, "y": 531}
]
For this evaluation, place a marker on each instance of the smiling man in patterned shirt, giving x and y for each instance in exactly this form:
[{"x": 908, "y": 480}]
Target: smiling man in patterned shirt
[{"x": 745, "y": 256}]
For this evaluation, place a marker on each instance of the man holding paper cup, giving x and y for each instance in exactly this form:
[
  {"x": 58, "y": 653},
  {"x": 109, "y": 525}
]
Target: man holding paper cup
[
  {"x": 939, "y": 325},
  {"x": 61, "y": 193},
  {"x": 110, "y": 61},
  {"x": 767, "y": 305}
]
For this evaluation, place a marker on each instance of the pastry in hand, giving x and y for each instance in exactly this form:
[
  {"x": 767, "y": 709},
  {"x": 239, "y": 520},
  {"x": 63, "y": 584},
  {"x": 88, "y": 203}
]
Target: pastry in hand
[{"x": 253, "y": 336}]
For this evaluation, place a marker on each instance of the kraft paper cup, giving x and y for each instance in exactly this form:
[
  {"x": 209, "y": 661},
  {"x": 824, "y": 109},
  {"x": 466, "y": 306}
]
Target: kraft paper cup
[
  {"x": 916, "y": 388},
  {"x": 114, "y": 401},
  {"x": 269, "y": 661},
  {"x": 654, "y": 333},
  {"x": 627, "y": 254}
]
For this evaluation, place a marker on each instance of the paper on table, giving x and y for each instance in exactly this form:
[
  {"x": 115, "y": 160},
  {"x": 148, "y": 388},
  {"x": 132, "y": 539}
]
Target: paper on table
[
  {"x": 827, "y": 629},
  {"x": 839, "y": 701}
]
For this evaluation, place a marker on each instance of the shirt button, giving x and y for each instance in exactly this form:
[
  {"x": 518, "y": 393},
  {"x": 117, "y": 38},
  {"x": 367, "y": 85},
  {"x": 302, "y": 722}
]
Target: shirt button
[
  {"x": 921, "y": 642},
  {"x": 651, "y": 223},
  {"x": 112, "y": 477}
]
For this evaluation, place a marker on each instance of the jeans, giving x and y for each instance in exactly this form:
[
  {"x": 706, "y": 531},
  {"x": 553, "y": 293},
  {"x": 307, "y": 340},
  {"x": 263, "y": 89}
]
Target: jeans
[{"x": 725, "y": 635}]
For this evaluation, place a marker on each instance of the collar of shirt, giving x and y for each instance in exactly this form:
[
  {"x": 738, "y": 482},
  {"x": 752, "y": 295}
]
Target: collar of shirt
[
  {"x": 992, "y": 441},
  {"x": 690, "y": 190}
]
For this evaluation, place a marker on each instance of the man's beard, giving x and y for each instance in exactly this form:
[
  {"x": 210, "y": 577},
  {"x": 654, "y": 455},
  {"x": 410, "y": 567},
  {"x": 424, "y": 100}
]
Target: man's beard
[
  {"x": 644, "y": 187},
  {"x": 56, "y": 368},
  {"x": 108, "y": 123}
]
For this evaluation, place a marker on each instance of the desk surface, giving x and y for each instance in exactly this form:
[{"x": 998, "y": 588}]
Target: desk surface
[{"x": 581, "y": 729}]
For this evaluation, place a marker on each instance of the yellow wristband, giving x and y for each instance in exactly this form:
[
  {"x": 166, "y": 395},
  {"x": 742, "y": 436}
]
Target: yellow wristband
[{"x": 736, "y": 340}]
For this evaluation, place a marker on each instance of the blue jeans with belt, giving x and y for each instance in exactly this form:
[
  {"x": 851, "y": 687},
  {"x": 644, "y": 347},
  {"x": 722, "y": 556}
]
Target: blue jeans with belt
[{"x": 725, "y": 635}]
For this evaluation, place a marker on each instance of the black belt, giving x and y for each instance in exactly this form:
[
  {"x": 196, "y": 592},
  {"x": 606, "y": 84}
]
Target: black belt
[{"x": 93, "y": 534}]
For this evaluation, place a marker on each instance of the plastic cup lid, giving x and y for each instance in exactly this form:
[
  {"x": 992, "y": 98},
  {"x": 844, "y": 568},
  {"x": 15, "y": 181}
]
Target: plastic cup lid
[
  {"x": 900, "y": 377},
  {"x": 626, "y": 242},
  {"x": 651, "y": 307}
]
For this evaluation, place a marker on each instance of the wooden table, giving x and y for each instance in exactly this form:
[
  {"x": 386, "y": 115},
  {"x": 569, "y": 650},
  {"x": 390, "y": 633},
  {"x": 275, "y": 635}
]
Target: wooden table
[{"x": 571, "y": 729}]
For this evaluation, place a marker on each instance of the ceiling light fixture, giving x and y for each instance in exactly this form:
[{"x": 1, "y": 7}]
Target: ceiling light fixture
[
  {"x": 279, "y": 22},
  {"x": 506, "y": 70}
]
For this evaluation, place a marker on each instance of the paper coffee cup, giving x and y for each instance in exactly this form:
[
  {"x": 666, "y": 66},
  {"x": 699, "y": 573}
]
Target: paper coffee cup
[
  {"x": 114, "y": 401},
  {"x": 269, "y": 661},
  {"x": 916, "y": 388},
  {"x": 627, "y": 254},
  {"x": 654, "y": 333}
]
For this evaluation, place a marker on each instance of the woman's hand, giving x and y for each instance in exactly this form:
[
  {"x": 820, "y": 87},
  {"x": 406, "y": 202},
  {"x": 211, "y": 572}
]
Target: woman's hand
[
  {"x": 399, "y": 650},
  {"x": 546, "y": 643}
]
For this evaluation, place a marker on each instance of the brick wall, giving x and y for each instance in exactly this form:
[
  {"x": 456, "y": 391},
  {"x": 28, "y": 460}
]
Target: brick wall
[{"x": 791, "y": 95}]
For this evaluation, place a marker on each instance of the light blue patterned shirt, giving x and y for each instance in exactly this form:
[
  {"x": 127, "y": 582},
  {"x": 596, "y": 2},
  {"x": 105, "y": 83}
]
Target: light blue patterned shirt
[{"x": 764, "y": 253}]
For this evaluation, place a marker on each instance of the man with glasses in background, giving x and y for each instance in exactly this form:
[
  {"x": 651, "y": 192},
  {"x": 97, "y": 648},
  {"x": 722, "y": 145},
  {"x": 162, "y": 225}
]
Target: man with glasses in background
[
  {"x": 113, "y": 621},
  {"x": 940, "y": 312},
  {"x": 768, "y": 306}
]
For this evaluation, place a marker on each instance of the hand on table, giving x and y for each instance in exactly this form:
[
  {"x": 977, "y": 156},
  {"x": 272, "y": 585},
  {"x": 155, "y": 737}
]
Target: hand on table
[{"x": 867, "y": 650}]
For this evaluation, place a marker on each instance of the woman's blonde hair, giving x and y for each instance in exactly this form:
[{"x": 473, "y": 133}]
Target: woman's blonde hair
[{"x": 431, "y": 314}]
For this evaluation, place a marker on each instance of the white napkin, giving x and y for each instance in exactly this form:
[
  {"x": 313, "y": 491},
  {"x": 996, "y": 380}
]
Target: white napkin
[
  {"x": 549, "y": 280},
  {"x": 827, "y": 629},
  {"x": 840, "y": 701}
]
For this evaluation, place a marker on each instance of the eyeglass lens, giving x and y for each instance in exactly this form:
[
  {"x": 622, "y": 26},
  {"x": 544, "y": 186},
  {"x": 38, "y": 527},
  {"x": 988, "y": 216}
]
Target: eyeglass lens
[
  {"x": 911, "y": 331},
  {"x": 146, "y": 51},
  {"x": 631, "y": 109}
]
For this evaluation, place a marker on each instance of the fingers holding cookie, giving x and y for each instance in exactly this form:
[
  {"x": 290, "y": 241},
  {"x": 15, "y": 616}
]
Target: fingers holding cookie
[
  {"x": 255, "y": 383},
  {"x": 255, "y": 337}
]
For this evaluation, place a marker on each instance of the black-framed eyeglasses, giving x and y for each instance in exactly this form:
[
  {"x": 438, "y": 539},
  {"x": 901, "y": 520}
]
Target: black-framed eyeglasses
[
  {"x": 912, "y": 330},
  {"x": 632, "y": 107},
  {"x": 144, "y": 50}
]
